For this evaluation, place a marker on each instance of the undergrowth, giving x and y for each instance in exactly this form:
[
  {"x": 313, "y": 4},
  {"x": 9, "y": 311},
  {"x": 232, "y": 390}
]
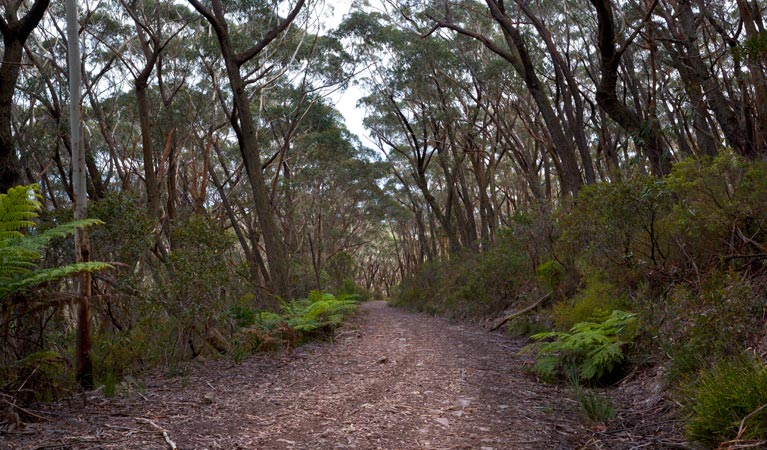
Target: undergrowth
[
  {"x": 728, "y": 403},
  {"x": 316, "y": 316}
]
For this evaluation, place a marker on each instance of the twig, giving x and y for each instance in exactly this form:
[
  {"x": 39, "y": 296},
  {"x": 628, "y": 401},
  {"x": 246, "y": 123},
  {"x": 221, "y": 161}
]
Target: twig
[
  {"x": 523, "y": 311},
  {"x": 164, "y": 432},
  {"x": 738, "y": 442}
]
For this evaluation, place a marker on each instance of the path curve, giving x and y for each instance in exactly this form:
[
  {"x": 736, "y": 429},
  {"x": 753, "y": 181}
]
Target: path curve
[{"x": 392, "y": 380}]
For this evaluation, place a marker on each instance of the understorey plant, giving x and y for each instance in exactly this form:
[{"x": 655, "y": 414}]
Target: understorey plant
[{"x": 594, "y": 348}]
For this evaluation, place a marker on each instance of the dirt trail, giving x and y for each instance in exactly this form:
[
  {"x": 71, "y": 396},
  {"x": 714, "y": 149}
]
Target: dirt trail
[{"x": 392, "y": 380}]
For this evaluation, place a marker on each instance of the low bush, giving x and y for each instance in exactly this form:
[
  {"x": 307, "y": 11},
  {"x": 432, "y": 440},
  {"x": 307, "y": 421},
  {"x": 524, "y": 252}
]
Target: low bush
[
  {"x": 596, "y": 300},
  {"x": 316, "y": 316},
  {"x": 319, "y": 312}
]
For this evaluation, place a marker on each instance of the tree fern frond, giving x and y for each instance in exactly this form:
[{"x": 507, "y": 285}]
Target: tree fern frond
[
  {"x": 19, "y": 253},
  {"x": 17, "y": 209},
  {"x": 63, "y": 230},
  {"x": 15, "y": 259},
  {"x": 38, "y": 277}
]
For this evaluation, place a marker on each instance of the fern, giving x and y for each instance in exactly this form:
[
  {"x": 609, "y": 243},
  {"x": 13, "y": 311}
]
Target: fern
[
  {"x": 320, "y": 311},
  {"x": 595, "y": 348},
  {"x": 17, "y": 209},
  {"x": 20, "y": 253}
]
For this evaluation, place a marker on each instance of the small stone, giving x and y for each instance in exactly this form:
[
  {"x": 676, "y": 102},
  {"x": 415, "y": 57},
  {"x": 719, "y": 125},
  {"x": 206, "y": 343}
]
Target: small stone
[{"x": 442, "y": 421}]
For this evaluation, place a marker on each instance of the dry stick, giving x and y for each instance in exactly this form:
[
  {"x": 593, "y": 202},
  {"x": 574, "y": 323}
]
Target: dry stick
[
  {"x": 165, "y": 436},
  {"x": 523, "y": 311},
  {"x": 737, "y": 442}
]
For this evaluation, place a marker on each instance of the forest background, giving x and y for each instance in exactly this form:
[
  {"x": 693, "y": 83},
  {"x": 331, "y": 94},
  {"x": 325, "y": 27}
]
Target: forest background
[{"x": 601, "y": 162}]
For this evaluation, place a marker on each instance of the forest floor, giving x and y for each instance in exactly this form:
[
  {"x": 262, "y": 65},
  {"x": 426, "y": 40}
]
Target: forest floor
[{"x": 391, "y": 380}]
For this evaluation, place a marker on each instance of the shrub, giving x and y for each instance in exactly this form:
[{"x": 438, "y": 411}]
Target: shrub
[
  {"x": 40, "y": 376},
  {"x": 711, "y": 321},
  {"x": 595, "y": 349},
  {"x": 550, "y": 274},
  {"x": 596, "y": 300},
  {"x": 468, "y": 285},
  {"x": 726, "y": 396}
]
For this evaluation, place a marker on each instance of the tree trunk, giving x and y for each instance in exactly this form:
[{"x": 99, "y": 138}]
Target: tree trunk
[
  {"x": 245, "y": 128},
  {"x": 82, "y": 246},
  {"x": 646, "y": 133}
]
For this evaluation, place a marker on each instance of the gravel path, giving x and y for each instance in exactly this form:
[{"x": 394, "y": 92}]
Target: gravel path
[{"x": 391, "y": 380}]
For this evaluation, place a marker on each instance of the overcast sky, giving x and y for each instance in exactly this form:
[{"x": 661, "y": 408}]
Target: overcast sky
[{"x": 346, "y": 101}]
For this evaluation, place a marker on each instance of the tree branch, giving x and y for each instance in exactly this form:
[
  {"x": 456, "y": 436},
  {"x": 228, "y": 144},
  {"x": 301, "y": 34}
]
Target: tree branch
[{"x": 247, "y": 55}]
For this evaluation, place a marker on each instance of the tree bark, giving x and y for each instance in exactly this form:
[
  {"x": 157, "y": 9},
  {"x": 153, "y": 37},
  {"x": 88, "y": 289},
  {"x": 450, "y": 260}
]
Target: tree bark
[{"x": 84, "y": 372}]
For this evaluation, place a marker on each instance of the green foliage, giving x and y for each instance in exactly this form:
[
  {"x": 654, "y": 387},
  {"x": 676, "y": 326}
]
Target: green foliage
[
  {"x": 468, "y": 285},
  {"x": 20, "y": 253},
  {"x": 17, "y": 209},
  {"x": 594, "y": 348},
  {"x": 110, "y": 385},
  {"x": 730, "y": 393},
  {"x": 721, "y": 204},
  {"x": 550, "y": 274},
  {"x": 711, "y": 322},
  {"x": 303, "y": 319},
  {"x": 525, "y": 326},
  {"x": 616, "y": 229},
  {"x": 597, "y": 408}
]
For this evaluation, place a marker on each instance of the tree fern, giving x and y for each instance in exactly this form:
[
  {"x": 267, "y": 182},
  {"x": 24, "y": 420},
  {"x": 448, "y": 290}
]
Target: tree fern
[
  {"x": 317, "y": 312},
  {"x": 20, "y": 252},
  {"x": 17, "y": 209},
  {"x": 595, "y": 348}
]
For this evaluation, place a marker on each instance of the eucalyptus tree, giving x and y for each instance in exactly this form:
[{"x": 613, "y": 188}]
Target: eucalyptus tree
[
  {"x": 241, "y": 117},
  {"x": 154, "y": 30},
  {"x": 645, "y": 128},
  {"x": 15, "y": 29},
  {"x": 560, "y": 124},
  {"x": 334, "y": 183}
]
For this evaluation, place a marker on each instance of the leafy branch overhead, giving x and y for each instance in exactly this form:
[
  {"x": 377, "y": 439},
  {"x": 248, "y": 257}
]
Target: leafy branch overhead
[{"x": 21, "y": 252}]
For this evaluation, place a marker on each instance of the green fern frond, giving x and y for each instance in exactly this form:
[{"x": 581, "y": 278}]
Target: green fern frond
[
  {"x": 596, "y": 348},
  {"x": 60, "y": 231},
  {"x": 20, "y": 253},
  {"x": 15, "y": 259},
  {"x": 17, "y": 209},
  {"x": 35, "y": 278}
]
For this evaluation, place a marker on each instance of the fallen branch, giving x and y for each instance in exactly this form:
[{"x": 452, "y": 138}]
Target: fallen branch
[
  {"x": 523, "y": 311},
  {"x": 164, "y": 432}
]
